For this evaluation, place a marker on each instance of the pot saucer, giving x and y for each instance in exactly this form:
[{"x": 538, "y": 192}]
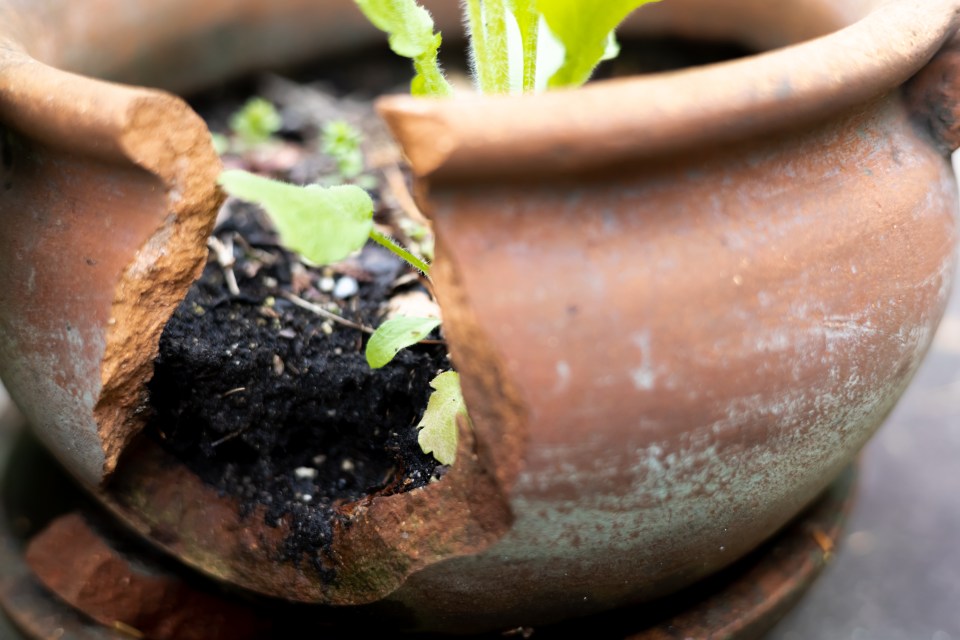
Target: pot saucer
[{"x": 741, "y": 602}]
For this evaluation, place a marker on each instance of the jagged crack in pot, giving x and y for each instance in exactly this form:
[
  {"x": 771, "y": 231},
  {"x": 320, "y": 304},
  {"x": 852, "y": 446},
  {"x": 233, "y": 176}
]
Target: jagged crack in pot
[
  {"x": 680, "y": 304},
  {"x": 108, "y": 195},
  {"x": 109, "y": 198}
]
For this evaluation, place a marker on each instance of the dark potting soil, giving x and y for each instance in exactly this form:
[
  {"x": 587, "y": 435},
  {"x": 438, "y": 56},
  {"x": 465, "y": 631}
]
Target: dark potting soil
[
  {"x": 276, "y": 405},
  {"x": 273, "y": 403}
]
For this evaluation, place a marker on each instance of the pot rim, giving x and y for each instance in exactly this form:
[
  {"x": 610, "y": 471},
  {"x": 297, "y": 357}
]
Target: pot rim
[{"x": 474, "y": 135}]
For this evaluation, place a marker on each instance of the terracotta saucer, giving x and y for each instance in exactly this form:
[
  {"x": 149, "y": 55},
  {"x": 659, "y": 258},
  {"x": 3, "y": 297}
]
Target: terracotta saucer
[{"x": 740, "y": 603}]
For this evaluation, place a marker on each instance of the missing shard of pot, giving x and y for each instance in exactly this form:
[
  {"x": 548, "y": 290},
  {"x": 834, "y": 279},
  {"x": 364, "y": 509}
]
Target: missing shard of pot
[
  {"x": 275, "y": 405},
  {"x": 267, "y": 400}
]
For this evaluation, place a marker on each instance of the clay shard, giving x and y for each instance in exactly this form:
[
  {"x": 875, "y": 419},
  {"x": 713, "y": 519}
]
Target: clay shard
[
  {"x": 81, "y": 566},
  {"x": 109, "y": 194}
]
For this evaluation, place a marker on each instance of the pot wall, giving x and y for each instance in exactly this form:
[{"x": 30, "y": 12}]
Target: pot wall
[{"x": 698, "y": 345}]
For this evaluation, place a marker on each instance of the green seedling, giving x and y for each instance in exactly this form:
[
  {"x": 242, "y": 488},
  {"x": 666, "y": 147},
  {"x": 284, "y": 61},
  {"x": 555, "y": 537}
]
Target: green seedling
[
  {"x": 322, "y": 224},
  {"x": 221, "y": 144},
  {"x": 396, "y": 334},
  {"x": 341, "y": 141},
  {"x": 256, "y": 122}
]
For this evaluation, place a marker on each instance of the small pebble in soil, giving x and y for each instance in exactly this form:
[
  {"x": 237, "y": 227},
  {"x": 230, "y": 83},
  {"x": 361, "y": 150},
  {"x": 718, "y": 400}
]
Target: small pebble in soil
[{"x": 346, "y": 287}]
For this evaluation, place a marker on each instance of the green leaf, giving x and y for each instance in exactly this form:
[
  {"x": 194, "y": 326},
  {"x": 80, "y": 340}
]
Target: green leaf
[
  {"x": 396, "y": 334},
  {"x": 256, "y": 121},
  {"x": 341, "y": 141},
  {"x": 409, "y": 25},
  {"x": 584, "y": 33},
  {"x": 410, "y": 30},
  {"x": 438, "y": 428},
  {"x": 323, "y": 225}
]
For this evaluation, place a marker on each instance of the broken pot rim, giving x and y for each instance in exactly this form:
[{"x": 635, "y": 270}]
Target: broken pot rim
[{"x": 611, "y": 121}]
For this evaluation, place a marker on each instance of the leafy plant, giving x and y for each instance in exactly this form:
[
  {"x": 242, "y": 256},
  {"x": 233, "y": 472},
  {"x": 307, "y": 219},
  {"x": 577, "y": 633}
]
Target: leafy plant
[
  {"x": 515, "y": 45},
  {"x": 509, "y": 40},
  {"x": 341, "y": 141}
]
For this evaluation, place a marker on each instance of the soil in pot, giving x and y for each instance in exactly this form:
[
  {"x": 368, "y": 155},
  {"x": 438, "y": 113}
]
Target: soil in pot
[
  {"x": 259, "y": 388},
  {"x": 276, "y": 405}
]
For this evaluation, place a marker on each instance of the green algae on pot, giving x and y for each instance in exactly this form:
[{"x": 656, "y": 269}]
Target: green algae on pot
[{"x": 720, "y": 280}]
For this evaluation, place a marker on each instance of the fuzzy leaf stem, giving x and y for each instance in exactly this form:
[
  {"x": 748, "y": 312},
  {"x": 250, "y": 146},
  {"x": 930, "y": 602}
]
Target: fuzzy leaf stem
[
  {"x": 495, "y": 19},
  {"x": 528, "y": 20},
  {"x": 486, "y": 20},
  {"x": 478, "y": 45},
  {"x": 414, "y": 260}
]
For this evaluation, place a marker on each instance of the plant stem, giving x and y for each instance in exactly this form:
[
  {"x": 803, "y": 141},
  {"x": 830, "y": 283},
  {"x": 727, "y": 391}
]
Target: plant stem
[
  {"x": 431, "y": 77},
  {"x": 525, "y": 11},
  {"x": 487, "y": 21},
  {"x": 498, "y": 49},
  {"x": 387, "y": 242},
  {"x": 323, "y": 313},
  {"x": 482, "y": 69}
]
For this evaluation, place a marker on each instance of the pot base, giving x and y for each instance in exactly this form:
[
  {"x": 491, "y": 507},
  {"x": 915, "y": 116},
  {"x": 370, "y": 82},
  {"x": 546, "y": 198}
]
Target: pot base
[{"x": 739, "y": 603}]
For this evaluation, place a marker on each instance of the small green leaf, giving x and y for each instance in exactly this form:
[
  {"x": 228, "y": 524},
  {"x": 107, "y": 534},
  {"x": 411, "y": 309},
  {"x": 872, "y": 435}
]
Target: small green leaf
[
  {"x": 256, "y": 121},
  {"x": 584, "y": 33},
  {"x": 438, "y": 428},
  {"x": 408, "y": 25},
  {"x": 396, "y": 334},
  {"x": 410, "y": 30},
  {"x": 341, "y": 141},
  {"x": 323, "y": 225}
]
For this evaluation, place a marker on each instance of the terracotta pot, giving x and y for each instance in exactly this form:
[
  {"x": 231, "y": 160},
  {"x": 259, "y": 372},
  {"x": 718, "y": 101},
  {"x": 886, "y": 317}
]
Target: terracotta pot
[{"x": 680, "y": 304}]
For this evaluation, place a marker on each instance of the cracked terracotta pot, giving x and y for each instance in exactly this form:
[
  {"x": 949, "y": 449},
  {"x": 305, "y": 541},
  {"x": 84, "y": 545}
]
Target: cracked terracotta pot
[{"x": 680, "y": 304}]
